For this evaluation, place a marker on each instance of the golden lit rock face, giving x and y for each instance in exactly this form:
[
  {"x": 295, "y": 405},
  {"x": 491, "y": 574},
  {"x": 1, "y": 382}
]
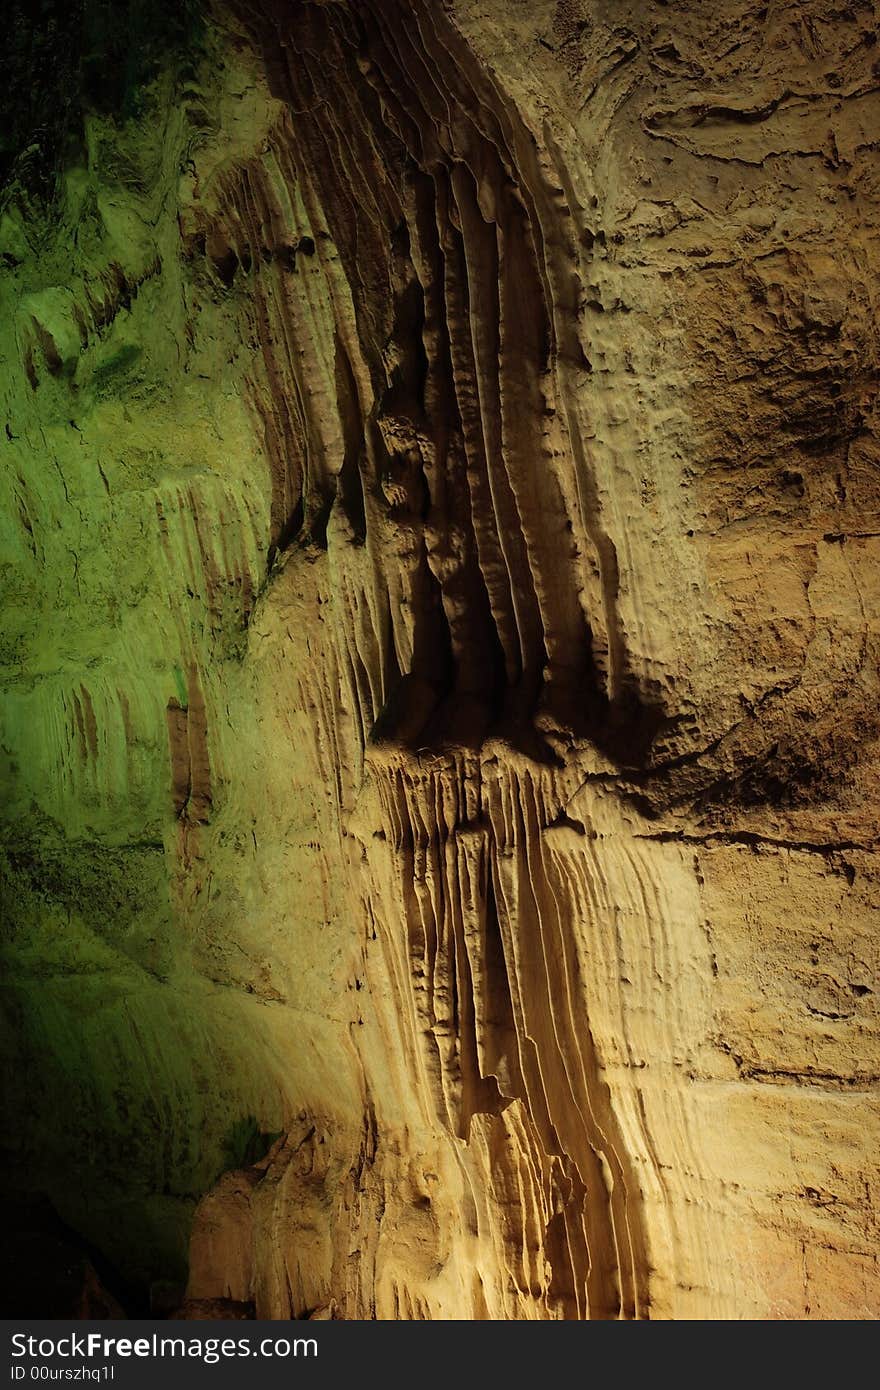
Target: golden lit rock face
[{"x": 446, "y": 619}]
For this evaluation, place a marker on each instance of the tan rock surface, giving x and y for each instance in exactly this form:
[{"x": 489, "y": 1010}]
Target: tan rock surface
[{"x": 441, "y": 679}]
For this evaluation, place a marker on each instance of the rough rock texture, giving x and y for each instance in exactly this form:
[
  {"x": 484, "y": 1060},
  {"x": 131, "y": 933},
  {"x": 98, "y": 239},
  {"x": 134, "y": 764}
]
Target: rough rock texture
[{"x": 440, "y": 661}]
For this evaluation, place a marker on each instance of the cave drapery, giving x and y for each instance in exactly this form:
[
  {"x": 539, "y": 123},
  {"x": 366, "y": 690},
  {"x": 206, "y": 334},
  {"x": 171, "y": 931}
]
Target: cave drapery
[{"x": 440, "y": 635}]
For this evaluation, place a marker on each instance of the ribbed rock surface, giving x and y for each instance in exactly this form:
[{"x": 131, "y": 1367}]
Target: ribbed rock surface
[{"x": 440, "y": 687}]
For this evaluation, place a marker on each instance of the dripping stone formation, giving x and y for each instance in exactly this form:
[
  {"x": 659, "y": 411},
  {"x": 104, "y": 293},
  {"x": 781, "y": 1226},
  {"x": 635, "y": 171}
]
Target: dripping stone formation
[{"x": 441, "y": 614}]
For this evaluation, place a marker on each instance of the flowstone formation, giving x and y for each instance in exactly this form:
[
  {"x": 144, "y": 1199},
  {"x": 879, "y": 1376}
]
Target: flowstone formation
[{"x": 440, "y": 656}]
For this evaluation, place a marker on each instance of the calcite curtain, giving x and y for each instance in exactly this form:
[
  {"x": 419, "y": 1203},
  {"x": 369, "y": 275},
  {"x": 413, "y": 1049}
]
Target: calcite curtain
[{"x": 439, "y": 657}]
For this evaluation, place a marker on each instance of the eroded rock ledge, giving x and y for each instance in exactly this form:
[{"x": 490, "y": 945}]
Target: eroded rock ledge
[{"x": 440, "y": 684}]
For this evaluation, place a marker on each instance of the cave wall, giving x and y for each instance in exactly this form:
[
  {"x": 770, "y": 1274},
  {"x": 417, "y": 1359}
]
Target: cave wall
[{"x": 440, "y": 662}]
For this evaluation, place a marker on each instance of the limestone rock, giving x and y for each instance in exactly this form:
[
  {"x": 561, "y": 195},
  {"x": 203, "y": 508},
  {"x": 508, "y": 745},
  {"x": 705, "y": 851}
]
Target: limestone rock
[{"x": 440, "y": 693}]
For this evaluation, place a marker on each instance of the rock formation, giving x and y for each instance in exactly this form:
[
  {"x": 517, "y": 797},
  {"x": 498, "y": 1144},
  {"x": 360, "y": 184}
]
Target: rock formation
[{"x": 441, "y": 620}]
